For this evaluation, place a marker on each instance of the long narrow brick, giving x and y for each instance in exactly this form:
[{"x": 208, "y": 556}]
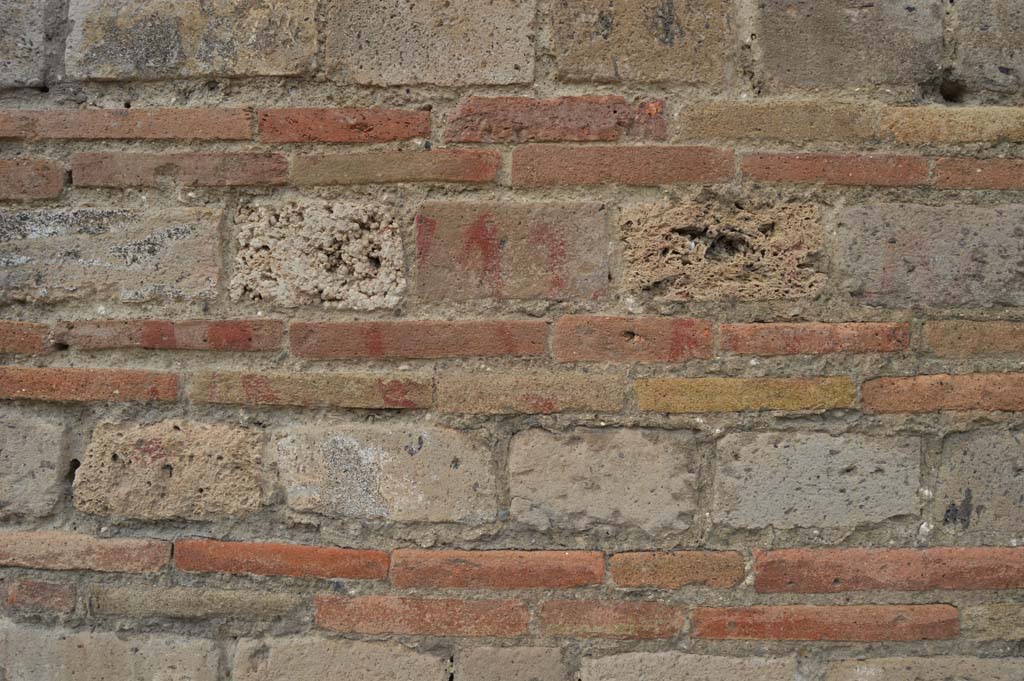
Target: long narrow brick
[
  {"x": 192, "y": 603},
  {"x": 675, "y": 569},
  {"x": 339, "y": 390},
  {"x": 419, "y": 339},
  {"x": 838, "y": 570},
  {"x": 544, "y": 165},
  {"x": 944, "y": 392},
  {"x": 954, "y": 124},
  {"x": 411, "y": 568},
  {"x": 880, "y": 170},
  {"x": 86, "y": 385},
  {"x": 610, "y": 619},
  {"x": 388, "y": 167},
  {"x": 696, "y": 395},
  {"x": 421, "y": 616},
  {"x": 198, "y": 169},
  {"x": 630, "y": 339},
  {"x": 827, "y": 623},
  {"x": 956, "y": 338},
  {"x": 127, "y": 124},
  {"x": 591, "y": 118},
  {"x": 244, "y": 335},
  {"x": 287, "y": 560},
  {"x": 813, "y": 338},
  {"x": 342, "y": 125},
  {"x": 53, "y": 550},
  {"x": 529, "y": 392},
  {"x": 785, "y": 120},
  {"x": 23, "y": 338},
  {"x": 977, "y": 173},
  {"x": 25, "y": 179}
]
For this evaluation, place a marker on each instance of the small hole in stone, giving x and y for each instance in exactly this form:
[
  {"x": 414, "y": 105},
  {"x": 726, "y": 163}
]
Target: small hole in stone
[
  {"x": 60, "y": 347},
  {"x": 952, "y": 91},
  {"x": 72, "y": 469},
  {"x": 168, "y": 469},
  {"x": 127, "y": 105},
  {"x": 115, "y": 457}
]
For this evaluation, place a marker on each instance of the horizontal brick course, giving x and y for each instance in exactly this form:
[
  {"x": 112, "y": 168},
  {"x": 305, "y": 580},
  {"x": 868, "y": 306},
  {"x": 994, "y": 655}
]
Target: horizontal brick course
[
  {"x": 198, "y": 169},
  {"x": 953, "y": 125},
  {"x": 880, "y": 170},
  {"x": 342, "y": 125},
  {"x": 675, "y": 569},
  {"x": 970, "y": 173},
  {"x": 287, "y": 560},
  {"x": 421, "y": 616},
  {"x": 86, "y": 385},
  {"x": 413, "y": 568},
  {"x": 813, "y": 338},
  {"x": 784, "y": 120},
  {"x": 610, "y": 619},
  {"x": 192, "y": 603},
  {"x": 944, "y": 392},
  {"x": 559, "y": 166},
  {"x": 528, "y": 392},
  {"x": 161, "y": 334},
  {"x": 340, "y": 390},
  {"x": 630, "y": 339},
  {"x": 964, "y": 338},
  {"x": 379, "y": 167},
  {"x": 54, "y": 550},
  {"x": 694, "y": 395},
  {"x": 123, "y": 124},
  {"x": 24, "y": 338}
]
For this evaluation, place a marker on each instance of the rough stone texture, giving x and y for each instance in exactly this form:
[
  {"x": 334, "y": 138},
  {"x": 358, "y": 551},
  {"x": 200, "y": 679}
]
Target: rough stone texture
[
  {"x": 53, "y": 255},
  {"x": 397, "y": 473},
  {"x": 588, "y": 477},
  {"x": 397, "y": 42},
  {"x": 721, "y": 250},
  {"x": 897, "y": 255},
  {"x": 172, "y": 469},
  {"x": 690, "y": 41},
  {"x": 188, "y": 603},
  {"x": 307, "y": 658},
  {"x": 786, "y": 480},
  {"x": 980, "y": 484},
  {"x": 22, "y": 42},
  {"x": 306, "y": 252},
  {"x": 157, "y": 39},
  {"x": 35, "y": 654},
  {"x": 954, "y": 668},
  {"x": 684, "y": 667},
  {"x": 511, "y": 664},
  {"x": 989, "y": 51},
  {"x": 31, "y": 465},
  {"x": 848, "y": 43},
  {"x": 994, "y": 622},
  {"x": 553, "y": 251}
]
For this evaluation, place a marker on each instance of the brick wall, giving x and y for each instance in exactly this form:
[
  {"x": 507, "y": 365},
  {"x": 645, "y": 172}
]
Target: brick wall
[{"x": 511, "y": 340}]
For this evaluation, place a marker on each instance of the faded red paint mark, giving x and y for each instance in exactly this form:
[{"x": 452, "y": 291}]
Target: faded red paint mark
[
  {"x": 540, "y": 404},
  {"x": 153, "y": 450},
  {"x": 158, "y": 335},
  {"x": 395, "y": 393},
  {"x": 544, "y": 236},
  {"x": 482, "y": 251},
  {"x": 686, "y": 339},
  {"x": 229, "y": 336},
  {"x": 426, "y": 230},
  {"x": 373, "y": 341},
  {"x": 258, "y": 390}
]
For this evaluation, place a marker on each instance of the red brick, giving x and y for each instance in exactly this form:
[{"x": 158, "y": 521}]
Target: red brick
[
  {"x": 342, "y": 125},
  {"x": 411, "y": 568},
  {"x": 427, "y": 339},
  {"x": 610, "y": 619},
  {"x": 287, "y": 560},
  {"x": 957, "y": 338},
  {"x": 828, "y": 623},
  {"x": 630, "y": 339},
  {"x": 838, "y": 570},
  {"x": 517, "y": 120},
  {"x": 672, "y": 570},
  {"x": 30, "y": 178},
  {"x": 544, "y": 165},
  {"x": 33, "y": 594},
  {"x": 972, "y": 173},
  {"x": 151, "y": 124},
  {"x": 246, "y": 335},
  {"x": 944, "y": 392},
  {"x": 86, "y": 385},
  {"x": 421, "y": 616},
  {"x": 880, "y": 170},
  {"x": 387, "y": 167},
  {"x": 116, "y": 169},
  {"x": 340, "y": 390},
  {"x": 52, "y": 550},
  {"x": 24, "y": 338},
  {"x": 813, "y": 338},
  {"x": 529, "y": 392}
]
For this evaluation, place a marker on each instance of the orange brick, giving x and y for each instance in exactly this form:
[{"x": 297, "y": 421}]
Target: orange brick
[
  {"x": 53, "y": 550},
  {"x": 150, "y": 124},
  {"x": 25, "y": 179},
  {"x": 675, "y": 569},
  {"x": 386, "y": 167},
  {"x": 696, "y": 395},
  {"x": 496, "y": 569},
  {"x": 963, "y": 339},
  {"x": 828, "y": 623},
  {"x": 972, "y": 173},
  {"x": 288, "y": 560},
  {"x": 610, "y": 619},
  {"x": 160, "y": 334},
  {"x": 343, "y": 125},
  {"x": 813, "y": 338},
  {"x": 944, "y": 392},
  {"x": 880, "y": 170},
  {"x": 630, "y": 339},
  {"x": 24, "y": 338},
  {"x": 421, "y": 616},
  {"x": 529, "y": 392},
  {"x": 340, "y": 390},
  {"x": 117, "y": 169},
  {"x": 544, "y": 165},
  {"x": 86, "y": 385}
]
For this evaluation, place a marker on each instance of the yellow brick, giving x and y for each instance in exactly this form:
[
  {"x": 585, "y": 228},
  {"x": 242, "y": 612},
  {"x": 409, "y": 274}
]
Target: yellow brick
[{"x": 690, "y": 395}]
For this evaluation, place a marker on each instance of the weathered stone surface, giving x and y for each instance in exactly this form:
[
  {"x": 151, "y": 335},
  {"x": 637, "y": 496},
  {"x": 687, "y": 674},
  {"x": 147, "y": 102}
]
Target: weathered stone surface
[
  {"x": 590, "y": 477},
  {"x": 787, "y": 480},
  {"x": 157, "y": 39},
  {"x": 994, "y": 622},
  {"x": 848, "y": 44},
  {"x": 31, "y": 473},
  {"x": 64, "y": 254},
  {"x": 989, "y": 49},
  {"x": 897, "y": 255},
  {"x": 306, "y": 658},
  {"x": 394, "y": 472},
  {"x": 187, "y": 603},
  {"x": 308, "y": 252},
  {"x": 34, "y": 654},
  {"x": 980, "y": 484},
  {"x": 397, "y": 42},
  {"x": 552, "y": 251},
  {"x": 689, "y": 41},
  {"x": 723, "y": 250},
  {"x": 684, "y": 667},
  {"x": 926, "y": 669},
  {"x": 511, "y": 664},
  {"x": 22, "y": 42},
  {"x": 172, "y": 469}
]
